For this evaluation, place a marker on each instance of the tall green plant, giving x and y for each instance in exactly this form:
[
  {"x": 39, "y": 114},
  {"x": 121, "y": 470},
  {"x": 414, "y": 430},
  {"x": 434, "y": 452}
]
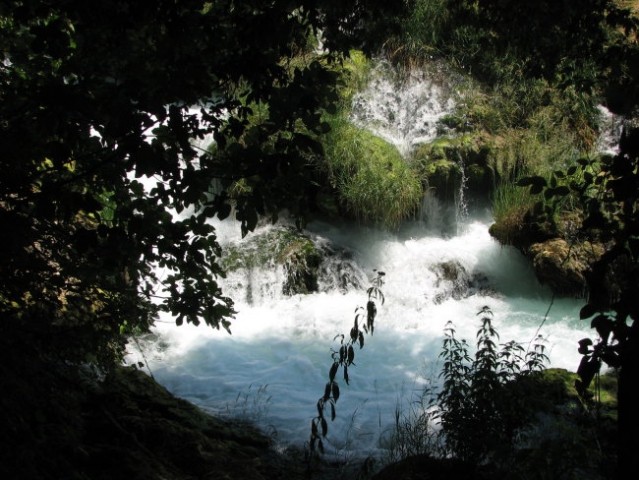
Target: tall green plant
[
  {"x": 478, "y": 410},
  {"x": 608, "y": 191}
]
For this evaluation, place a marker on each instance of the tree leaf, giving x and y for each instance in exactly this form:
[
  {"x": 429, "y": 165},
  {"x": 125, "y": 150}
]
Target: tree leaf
[
  {"x": 587, "y": 311},
  {"x": 351, "y": 355},
  {"x": 335, "y": 391},
  {"x": 333, "y": 371}
]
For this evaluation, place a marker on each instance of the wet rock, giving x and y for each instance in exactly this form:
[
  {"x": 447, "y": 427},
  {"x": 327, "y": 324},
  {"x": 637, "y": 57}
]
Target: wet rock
[
  {"x": 454, "y": 281},
  {"x": 563, "y": 266},
  {"x": 281, "y": 247},
  {"x": 304, "y": 263}
]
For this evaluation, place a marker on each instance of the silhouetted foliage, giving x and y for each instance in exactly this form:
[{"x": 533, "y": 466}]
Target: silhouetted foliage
[
  {"x": 344, "y": 357},
  {"x": 101, "y": 105},
  {"x": 479, "y": 405},
  {"x": 105, "y": 195}
]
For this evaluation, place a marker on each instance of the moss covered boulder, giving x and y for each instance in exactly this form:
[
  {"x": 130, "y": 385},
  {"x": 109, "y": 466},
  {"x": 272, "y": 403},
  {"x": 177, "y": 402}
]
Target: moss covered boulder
[
  {"x": 371, "y": 179},
  {"x": 563, "y": 266},
  {"x": 447, "y": 163},
  {"x": 283, "y": 248}
]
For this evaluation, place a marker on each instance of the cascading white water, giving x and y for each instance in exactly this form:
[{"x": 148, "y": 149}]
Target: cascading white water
[
  {"x": 610, "y": 131},
  {"x": 274, "y": 366},
  {"x": 404, "y": 109}
]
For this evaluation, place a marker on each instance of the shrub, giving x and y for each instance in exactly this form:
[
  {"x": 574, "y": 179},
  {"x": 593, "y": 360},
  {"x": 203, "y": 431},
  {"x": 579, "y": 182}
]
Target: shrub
[{"x": 480, "y": 408}]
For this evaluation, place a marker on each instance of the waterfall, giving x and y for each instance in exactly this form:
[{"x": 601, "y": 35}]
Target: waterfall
[
  {"x": 461, "y": 205},
  {"x": 610, "y": 131},
  {"x": 404, "y": 108}
]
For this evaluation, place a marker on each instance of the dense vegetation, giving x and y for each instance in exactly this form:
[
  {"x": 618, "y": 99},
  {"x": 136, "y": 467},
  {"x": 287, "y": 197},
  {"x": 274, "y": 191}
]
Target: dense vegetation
[{"x": 100, "y": 104}]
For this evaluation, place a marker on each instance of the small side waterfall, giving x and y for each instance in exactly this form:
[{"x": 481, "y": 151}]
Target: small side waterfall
[
  {"x": 610, "y": 131},
  {"x": 461, "y": 204},
  {"x": 404, "y": 108}
]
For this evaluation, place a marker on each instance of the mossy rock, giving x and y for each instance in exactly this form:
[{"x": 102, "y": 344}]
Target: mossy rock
[
  {"x": 444, "y": 177},
  {"x": 280, "y": 247},
  {"x": 563, "y": 266},
  {"x": 443, "y": 161}
]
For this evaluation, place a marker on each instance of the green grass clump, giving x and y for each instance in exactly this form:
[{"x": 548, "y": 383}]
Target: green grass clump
[{"x": 373, "y": 181}]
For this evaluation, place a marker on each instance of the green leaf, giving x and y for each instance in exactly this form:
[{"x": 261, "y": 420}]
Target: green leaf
[
  {"x": 549, "y": 193},
  {"x": 354, "y": 333},
  {"x": 603, "y": 325},
  {"x": 351, "y": 355},
  {"x": 536, "y": 188}
]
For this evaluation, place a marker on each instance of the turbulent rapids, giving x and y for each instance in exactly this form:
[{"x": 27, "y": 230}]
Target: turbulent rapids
[{"x": 273, "y": 367}]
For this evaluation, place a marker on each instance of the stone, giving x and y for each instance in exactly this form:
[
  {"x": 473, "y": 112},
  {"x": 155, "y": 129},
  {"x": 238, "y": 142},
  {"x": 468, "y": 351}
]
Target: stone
[{"x": 563, "y": 266}]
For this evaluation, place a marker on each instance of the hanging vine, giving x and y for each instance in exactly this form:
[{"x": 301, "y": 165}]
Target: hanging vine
[{"x": 344, "y": 357}]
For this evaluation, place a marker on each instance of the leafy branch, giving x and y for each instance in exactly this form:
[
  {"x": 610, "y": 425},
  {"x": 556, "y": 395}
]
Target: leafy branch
[{"x": 344, "y": 357}]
